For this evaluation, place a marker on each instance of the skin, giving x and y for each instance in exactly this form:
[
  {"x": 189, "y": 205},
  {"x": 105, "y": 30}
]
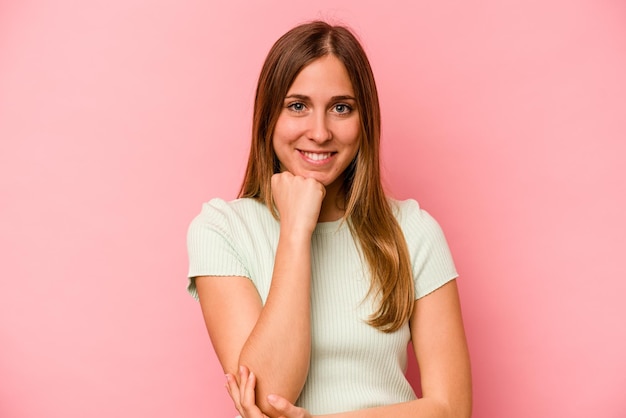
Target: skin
[
  {"x": 317, "y": 134},
  {"x": 439, "y": 344},
  {"x": 315, "y": 139}
]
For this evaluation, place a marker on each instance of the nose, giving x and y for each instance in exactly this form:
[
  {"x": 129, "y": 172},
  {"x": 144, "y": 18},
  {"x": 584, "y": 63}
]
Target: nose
[{"x": 318, "y": 129}]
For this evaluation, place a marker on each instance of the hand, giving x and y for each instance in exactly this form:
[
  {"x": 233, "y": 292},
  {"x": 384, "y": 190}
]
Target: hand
[
  {"x": 243, "y": 396},
  {"x": 286, "y": 408},
  {"x": 298, "y": 200}
]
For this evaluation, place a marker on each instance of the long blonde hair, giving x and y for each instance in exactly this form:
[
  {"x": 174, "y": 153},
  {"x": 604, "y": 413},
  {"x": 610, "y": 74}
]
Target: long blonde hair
[{"x": 368, "y": 212}]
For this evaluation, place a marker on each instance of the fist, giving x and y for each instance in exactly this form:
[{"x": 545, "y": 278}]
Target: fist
[{"x": 298, "y": 200}]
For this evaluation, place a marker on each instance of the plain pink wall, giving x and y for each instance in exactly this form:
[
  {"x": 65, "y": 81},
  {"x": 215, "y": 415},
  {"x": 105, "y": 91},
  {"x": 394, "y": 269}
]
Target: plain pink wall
[{"x": 505, "y": 119}]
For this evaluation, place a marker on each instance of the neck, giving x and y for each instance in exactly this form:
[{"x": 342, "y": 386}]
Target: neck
[{"x": 333, "y": 206}]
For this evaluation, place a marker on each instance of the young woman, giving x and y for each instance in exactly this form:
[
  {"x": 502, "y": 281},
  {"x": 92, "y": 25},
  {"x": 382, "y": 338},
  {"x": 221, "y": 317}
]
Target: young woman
[{"x": 313, "y": 282}]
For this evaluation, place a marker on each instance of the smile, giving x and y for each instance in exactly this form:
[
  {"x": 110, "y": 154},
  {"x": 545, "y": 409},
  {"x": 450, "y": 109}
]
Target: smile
[{"x": 316, "y": 156}]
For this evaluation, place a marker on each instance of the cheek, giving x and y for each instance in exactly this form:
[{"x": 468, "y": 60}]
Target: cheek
[
  {"x": 287, "y": 129},
  {"x": 351, "y": 134}
]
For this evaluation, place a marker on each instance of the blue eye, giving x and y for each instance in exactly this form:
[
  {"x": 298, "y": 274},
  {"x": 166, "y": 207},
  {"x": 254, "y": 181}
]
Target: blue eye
[
  {"x": 342, "y": 108},
  {"x": 296, "y": 107}
]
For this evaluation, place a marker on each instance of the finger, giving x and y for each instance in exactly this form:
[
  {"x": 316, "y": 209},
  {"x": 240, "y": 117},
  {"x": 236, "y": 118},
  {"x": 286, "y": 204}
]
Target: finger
[
  {"x": 249, "y": 393},
  {"x": 251, "y": 384},
  {"x": 243, "y": 387},
  {"x": 247, "y": 387},
  {"x": 243, "y": 380},
  {"x": 286, "y": 408},
  {"x": 233, "y": 391}
]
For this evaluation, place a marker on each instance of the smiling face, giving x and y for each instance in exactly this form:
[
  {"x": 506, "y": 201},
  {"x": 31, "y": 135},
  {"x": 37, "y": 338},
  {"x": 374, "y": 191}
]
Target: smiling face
[{"x": 317, "y": 133}]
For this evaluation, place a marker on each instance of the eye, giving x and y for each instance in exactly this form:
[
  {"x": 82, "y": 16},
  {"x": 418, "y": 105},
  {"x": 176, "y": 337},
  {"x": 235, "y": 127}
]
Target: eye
[
  {"x": 296, "y": 106},
  {"x": 342, "y": 108}
]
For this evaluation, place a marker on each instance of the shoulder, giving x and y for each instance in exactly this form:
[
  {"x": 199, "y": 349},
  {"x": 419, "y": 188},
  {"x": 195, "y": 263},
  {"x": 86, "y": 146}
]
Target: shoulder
[
  {"x": 420, "y": 229},
  {"x": 402, "y": 208},
  {"x": 220, "y": 214},
  {"x": 240, "y": 221},
  {"x": 430, "y": 255},
  {"x": 221, "y": 207},
  {"x": 410, "y": 215}
]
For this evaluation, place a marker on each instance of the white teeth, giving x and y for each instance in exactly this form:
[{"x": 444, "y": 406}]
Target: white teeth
[{"x": 316, "y": 156}]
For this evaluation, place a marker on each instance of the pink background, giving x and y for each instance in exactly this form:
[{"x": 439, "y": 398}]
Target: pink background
[{"x": 505, "y": 119}]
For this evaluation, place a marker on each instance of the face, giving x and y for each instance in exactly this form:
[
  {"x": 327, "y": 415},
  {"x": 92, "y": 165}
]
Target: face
[{"x": 317, "y": 133}]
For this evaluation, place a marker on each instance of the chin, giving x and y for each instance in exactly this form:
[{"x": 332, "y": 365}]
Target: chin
[
  {"x": 324, "y": 180},
  {"x": 320, "y": 177}
]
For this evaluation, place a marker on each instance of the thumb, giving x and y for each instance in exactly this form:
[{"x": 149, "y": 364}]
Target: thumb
[{"x": 282, "y": 405}]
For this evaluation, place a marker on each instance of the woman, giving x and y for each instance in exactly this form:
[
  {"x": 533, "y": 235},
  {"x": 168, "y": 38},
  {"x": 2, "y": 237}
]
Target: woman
[{"x": 313, "y": 282}]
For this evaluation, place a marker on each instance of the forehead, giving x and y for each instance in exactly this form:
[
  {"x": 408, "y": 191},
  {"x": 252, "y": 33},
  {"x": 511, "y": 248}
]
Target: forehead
[{"x": 325, "y": 75}]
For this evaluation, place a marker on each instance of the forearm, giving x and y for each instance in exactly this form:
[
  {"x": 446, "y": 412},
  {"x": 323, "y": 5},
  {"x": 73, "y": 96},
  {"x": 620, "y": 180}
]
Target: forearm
[
  {"x": 420, "y": 408},
  {"x": 278, "y": 348}
]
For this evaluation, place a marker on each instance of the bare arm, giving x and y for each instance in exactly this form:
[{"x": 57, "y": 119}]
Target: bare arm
[
  {"x": 274, "y": 341},
  {"x": 441, "y": 350}
]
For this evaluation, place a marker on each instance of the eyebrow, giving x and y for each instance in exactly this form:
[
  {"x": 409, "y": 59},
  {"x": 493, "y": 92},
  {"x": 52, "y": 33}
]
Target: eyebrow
[{"x": 307, "y": 98}]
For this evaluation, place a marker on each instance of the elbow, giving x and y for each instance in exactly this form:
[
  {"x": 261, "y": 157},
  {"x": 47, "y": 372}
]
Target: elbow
[
  {"x": 460, "y": 408},
  {"x": 257, "y": 385},
  {"x": 459, "y": 401},
  {"x": 448, "y": 410},
  {"x": 461, "y": 411},
  {"x": 265, "y": 406},
  {"x": 453, "y": 407}
]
